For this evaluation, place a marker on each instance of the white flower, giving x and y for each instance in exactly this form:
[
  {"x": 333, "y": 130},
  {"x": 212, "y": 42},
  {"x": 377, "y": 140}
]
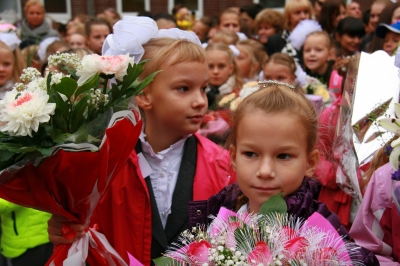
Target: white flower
[
  {"x": 109, "y": 65},
  {"x": 56, "y": 78},
  {"x": 29, "y": 74},
  {"x": 62, "y": 59},
  {"x": 393, "y": 125},
  {"x": 39, "y": 83},
  {"x": 24, "y": 111}
]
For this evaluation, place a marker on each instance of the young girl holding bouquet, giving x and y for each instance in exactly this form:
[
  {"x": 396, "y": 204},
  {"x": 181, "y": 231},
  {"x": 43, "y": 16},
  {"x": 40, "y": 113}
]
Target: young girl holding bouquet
[
  {"x": 273, "y": 151},
  {"x": 145, "y": 208}
]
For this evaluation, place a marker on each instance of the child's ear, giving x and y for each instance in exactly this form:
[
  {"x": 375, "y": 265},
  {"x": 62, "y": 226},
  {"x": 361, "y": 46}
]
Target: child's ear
[
  {"x": 143, "y": 101},
  {"x": 232, "y": 154},
  {"x": 232, "y": 69},
  {"x": 312, "y": 163}
]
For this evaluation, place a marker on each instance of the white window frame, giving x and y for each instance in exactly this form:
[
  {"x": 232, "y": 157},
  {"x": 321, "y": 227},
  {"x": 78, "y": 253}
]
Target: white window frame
[
  {"x": 280, "y": 9},
  {"x": 199, "y": 11},
  {"x": 59, "y": 17},
  {"x": 120, "y": 11}
]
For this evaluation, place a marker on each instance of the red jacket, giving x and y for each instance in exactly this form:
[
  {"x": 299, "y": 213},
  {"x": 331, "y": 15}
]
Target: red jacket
[{"x": 124, "y": 213}]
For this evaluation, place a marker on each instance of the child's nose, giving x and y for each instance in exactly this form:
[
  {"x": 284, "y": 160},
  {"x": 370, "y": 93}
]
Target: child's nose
[
  {"x": 266, "y": 169},
  {"x": 200, "y": 100}
]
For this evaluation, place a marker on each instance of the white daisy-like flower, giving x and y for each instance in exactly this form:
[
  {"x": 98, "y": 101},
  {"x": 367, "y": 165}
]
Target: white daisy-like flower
[
  {"x": 393, "y": 125},
  {"x": 22, "y": 112}
]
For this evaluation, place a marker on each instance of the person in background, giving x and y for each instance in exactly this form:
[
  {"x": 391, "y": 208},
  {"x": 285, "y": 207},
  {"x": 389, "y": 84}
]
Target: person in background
[
  {"x": 332, "y": 12},
  {"x": 316, "y": 7},
  {"x": 371, "y": 42},
  {"x": 390, "y": 35},
  {"x": 250, "y": 60},
  {"x": 96, "y": 32},
  {"x": 165, "y": 21},
  {"x": 223, "y": 72},
  {"x": 229, "y": 20},
  {"x": 34, "y": 28},
  {"x": 280, "y": 67},
  {"x": 77, "y": 40},
  {"x": 202, "y": 27},
  {"x": 295, "y": 11},
  {"x": 111, "y": 15},
  {"x": 267, "y": 23},
  {"x": 248, "y": 14},
  {"x": 349, "y": 33},
  {"x": 353, "y": 9},
  {"x": 74, "y": 27}
]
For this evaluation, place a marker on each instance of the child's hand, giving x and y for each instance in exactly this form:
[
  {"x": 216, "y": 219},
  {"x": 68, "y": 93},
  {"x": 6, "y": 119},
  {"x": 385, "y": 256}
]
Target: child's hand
[{"x": 61, "y": 231}]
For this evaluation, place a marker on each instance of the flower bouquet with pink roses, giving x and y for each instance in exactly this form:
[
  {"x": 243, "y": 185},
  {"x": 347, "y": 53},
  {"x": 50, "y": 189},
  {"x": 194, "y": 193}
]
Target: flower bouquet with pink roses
[
  {"x": 63, "y": 139},
  {"x": 267, "y": 238}
]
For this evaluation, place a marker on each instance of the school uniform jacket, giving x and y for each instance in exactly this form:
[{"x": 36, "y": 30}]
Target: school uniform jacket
[{"x": 125, "y": 214}]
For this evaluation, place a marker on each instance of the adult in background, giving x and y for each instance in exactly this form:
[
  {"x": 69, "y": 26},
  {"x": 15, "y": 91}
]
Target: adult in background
[
  {"x": 332, "y": 12},
  {"x": 248, "y": 14},
  {"x": 295, "y": 11},
  {"x": 353, "y": 9},
  {"x": 267, "y": 23},
  {"x": 35, "y": 28}
]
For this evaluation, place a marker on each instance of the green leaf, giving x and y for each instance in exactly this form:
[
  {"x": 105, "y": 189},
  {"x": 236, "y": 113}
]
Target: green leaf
[
  {"x": 67, "y": 86},
  {"x": 5, "y": 155},
  {"x": 165, "y": 261},
  {"x": 274, "y": 204},
  {"x": 132, "y": 73},
  {"x": 63, "y": 138},
  {"x": 93, "y": 82},
  {"x": 45, "y": 152},
  {"x": 77, "y": 113}
]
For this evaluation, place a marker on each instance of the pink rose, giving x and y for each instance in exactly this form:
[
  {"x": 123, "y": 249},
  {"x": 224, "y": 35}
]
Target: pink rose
[
  {"x": 260, "y": 254},
  {"x": 198, "y": 252},
  {"x": 110, "y": 65},
  {"x": 296, "y": 245}
]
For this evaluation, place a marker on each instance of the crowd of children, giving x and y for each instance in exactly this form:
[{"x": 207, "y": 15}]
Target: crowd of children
[{"x": 278, "y": 141}]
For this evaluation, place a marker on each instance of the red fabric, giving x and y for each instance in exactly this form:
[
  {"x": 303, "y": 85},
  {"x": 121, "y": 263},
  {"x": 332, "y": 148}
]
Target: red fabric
[
  {"x": 389, "y": 223},
  {"x": 336, "y": 200},
  {"x": 124, "y": 213},
  {"x": 71, "y": 183}
]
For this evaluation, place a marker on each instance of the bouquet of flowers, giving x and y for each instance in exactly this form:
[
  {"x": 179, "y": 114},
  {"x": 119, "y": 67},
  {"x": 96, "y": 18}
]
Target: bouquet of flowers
[
  {"x": 64, "y": 138},
  {"x": 316, "y": 87},
  {"x": 269, "y": 238}
]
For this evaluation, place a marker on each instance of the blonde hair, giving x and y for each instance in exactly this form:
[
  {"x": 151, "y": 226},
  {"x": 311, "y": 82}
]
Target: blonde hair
[
  {"x": 225, "y": 48},
  {"x": 293, "y": 5},
  {"x": 284, "y": 60},
  {"x": 256, "y": 51},
  {"x": 18, "y": 62},
  {"x": 225, "y": 36},
  {"x": 161, "y": 51},
  {"x": 323, "y": 34},
  {"x": 30, "y": 3},
  {"x": 276, "y": 99}
]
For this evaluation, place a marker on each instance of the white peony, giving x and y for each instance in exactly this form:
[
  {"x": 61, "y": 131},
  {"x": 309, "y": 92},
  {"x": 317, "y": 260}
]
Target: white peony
[
  {"x": 109, "y": 65},
  {"x": 22, "y": 112}
]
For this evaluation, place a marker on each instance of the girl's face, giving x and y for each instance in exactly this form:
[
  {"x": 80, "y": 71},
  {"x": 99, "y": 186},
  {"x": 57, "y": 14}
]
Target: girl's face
[
  {"x": 349, "y": 44},
  {"x": 266, "y": 168},
  {"x": 6, "y": 66},
  {"x": 264, "y": 31},
  {"x": 219, "y": 67},
  {"x": 175, "y": 102},
  {"x": 316, "y": 53},
  {"x": 340, "y": 16},
  {"x": 229, "y": 21},
  {"x": 298, "y": 15},
  {"x": 77, "y": 41},
  {"x": 273, "y": 71},
  {"x": 98, "y": 34},
  {"x": 200, "y": 30},
  {"x": 396, "y": 15},
  {"x": 246, "y": 66},
  {"x": 391, "y": 42}
]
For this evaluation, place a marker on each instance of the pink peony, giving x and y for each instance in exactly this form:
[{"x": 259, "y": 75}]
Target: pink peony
[
  {"x": 198, "y": 252},
  {"x": 109, "y": 65},
  {"x": 260, "y": 254}
]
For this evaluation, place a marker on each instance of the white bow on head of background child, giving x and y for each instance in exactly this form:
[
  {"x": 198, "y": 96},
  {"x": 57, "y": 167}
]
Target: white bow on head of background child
[
  {"x": 131, "y": 33},
  {"x": 11, "y": 39}
]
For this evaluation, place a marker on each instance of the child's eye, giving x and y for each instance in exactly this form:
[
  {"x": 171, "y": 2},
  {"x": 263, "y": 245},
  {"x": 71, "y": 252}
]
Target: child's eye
[
  {"x": 183, "y": 89},
  {"x": 284, "y": 156},
  {"x": 250, "y": 154}
]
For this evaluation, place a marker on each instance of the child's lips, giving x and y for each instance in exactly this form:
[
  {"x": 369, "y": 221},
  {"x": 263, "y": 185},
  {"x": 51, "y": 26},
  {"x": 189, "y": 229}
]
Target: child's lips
[
  {"x": 196, "y": 118},
  {"x": 266, "y": 189}
]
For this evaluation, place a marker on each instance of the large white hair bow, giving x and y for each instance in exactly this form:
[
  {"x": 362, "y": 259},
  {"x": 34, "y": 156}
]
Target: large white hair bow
[
  {"x": 303, "y": 29},
  {"x": 11, "y": 39},
  {"x": 131, "y": 33}
]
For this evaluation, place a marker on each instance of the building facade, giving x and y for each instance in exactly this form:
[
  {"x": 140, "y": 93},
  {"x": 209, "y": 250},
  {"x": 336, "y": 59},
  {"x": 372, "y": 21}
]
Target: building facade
[{"x": 63, "y": 10}]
